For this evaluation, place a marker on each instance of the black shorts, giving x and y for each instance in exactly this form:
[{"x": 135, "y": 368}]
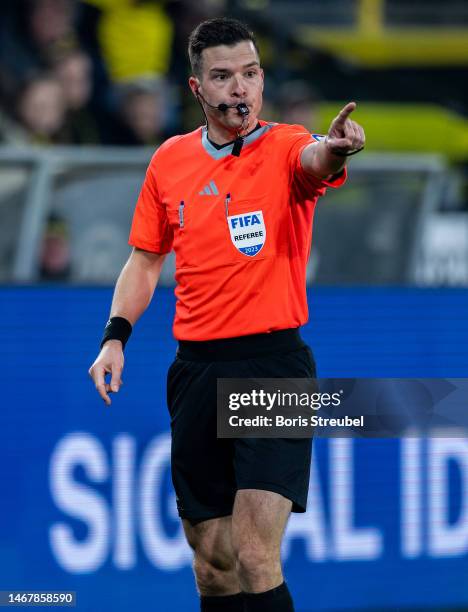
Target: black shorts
[{"x": 207, "y": 471}]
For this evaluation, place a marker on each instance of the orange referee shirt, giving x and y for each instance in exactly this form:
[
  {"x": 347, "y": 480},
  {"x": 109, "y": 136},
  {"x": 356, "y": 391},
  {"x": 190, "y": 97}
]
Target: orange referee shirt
[{"x": 241, "y": 229}]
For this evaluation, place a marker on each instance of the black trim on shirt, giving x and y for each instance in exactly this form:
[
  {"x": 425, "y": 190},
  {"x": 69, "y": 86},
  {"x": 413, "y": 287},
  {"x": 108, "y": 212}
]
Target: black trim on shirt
[{"x": 227, "y": 144}]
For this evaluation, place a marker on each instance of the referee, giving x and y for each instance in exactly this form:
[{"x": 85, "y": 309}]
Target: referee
[{"x": 235, "y": 200}]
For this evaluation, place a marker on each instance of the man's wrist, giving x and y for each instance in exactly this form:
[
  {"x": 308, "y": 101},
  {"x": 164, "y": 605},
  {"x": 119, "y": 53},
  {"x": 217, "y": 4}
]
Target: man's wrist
[
  {"x": 340, "y": 153},
  {"x": 329, "y": 162},
  {"x": 111, "y": 341},
  {"x": 117, "y": 328}
]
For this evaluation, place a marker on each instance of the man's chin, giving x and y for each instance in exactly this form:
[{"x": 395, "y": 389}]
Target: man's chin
[
  {"x": 234, "y": 118},
  {"x": 236, "y": 122}
]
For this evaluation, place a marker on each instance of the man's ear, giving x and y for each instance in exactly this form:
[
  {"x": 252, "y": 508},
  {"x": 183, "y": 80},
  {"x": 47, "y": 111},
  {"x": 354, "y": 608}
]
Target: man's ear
[{"x": 194, "y": 85}]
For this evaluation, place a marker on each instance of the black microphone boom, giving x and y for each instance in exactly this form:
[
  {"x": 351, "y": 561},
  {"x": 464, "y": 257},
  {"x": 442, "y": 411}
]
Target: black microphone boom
[{"x": 242, "y": 109}]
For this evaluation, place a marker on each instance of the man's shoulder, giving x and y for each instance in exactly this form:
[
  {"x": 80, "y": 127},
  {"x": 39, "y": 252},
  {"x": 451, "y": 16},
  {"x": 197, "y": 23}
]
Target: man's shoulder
[
  {"x": 176, "y": 144},
  {"x": 289, "y": 130},
  {"x": 286, "y": 137}
]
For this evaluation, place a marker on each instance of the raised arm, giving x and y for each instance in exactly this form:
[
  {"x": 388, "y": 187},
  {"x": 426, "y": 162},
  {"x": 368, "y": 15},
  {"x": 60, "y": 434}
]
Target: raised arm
[
  {"x": 133, "y": 292},
  {"x": 327, "y": 157}
]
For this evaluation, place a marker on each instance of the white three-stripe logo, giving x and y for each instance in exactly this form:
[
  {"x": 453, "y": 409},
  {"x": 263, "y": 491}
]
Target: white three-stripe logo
[{"x": 209, "y": 189}]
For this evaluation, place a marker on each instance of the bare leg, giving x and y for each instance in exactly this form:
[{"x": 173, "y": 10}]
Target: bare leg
[
  {"x": 214, "y": 562},
  {"x": 258, "y": 522}
]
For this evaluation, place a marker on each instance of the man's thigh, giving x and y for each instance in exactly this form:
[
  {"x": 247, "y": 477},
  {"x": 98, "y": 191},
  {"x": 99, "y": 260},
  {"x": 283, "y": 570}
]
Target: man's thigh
[
  {"x": 211, "y": 538},
  {"x": 201, "y": 464},
  {"x": 258, "y": 521},
  {"x": 278, "y": 465},
  {"x": 207, "y": 471}
]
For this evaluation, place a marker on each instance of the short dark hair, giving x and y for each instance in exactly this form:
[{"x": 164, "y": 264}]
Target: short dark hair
[{"x": 215, "y": 32}]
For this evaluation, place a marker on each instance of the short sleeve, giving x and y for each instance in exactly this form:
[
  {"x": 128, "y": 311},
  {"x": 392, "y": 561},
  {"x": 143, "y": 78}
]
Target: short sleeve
[
  {"x": 151, "y": 230},
  {"x": 307, "y": 185}
]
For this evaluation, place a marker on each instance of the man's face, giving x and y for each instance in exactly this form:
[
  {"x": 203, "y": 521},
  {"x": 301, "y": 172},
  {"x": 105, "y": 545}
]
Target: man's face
[{"x": 231, "y": 75}]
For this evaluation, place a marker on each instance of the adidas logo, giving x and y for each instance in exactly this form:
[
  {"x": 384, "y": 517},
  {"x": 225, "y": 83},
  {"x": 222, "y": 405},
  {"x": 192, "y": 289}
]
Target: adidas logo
[{"x": 210, "y": 189}]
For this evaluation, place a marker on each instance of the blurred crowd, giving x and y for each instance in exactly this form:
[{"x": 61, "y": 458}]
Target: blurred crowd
[
  {"x": 109, "y": 72},
  {"x": 93, "y": 71}
]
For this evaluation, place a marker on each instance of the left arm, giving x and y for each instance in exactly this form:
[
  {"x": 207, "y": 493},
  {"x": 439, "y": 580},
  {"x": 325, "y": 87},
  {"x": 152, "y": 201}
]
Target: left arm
[{"x": 327, "y": 157}]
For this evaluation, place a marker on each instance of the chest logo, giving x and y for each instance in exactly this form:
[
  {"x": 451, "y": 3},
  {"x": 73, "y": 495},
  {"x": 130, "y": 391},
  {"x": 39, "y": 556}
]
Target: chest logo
[
  {"x": 248, "y": 232},
  {"x": 209, "y": 189}
]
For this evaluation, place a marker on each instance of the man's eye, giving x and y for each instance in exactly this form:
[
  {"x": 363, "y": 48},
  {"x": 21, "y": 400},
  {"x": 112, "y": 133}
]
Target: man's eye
[
  {"x": 251, "y": 73},
  {"x": 220, "y": 77}
]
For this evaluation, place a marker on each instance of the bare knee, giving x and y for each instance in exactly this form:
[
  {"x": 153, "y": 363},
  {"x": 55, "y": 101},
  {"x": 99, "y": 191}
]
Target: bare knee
[
  {"x": 259, "y": 519},
  {"x": 258, "y": 567},
  {"x": 215, "y": 575},
  {"x": 214, "y": 562}
]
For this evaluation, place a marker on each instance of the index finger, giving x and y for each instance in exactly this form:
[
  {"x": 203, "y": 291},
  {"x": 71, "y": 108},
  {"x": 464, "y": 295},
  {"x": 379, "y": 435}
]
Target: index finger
[
  {"x": 101, "y": 389},
  {"x": 345, "y": 112},
  {"x": 98, "y": 375}
]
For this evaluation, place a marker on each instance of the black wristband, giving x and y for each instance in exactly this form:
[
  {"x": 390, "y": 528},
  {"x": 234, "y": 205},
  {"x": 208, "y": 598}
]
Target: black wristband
[
  {"x": 341, "y": 154},
  {"x": 117, "y": 328}
]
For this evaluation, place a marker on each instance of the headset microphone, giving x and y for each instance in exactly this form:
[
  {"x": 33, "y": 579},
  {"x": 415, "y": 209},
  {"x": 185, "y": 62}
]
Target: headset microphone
[{"x": 242, "y": 109}]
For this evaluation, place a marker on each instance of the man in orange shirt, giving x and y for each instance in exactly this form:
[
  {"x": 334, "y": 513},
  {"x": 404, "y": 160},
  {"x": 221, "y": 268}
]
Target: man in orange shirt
[{"x": 235, "y": 200}]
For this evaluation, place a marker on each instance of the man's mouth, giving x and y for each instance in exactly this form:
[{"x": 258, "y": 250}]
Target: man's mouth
[{"x": 235, "y": 109}]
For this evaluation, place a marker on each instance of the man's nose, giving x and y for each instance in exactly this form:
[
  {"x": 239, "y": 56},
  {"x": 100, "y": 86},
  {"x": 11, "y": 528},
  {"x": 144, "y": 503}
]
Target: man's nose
[{"x": 238, "y": 87}]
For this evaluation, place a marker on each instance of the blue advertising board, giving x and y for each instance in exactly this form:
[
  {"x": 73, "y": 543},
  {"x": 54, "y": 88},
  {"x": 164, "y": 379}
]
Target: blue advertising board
[{"x": 87, "y": 503}]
